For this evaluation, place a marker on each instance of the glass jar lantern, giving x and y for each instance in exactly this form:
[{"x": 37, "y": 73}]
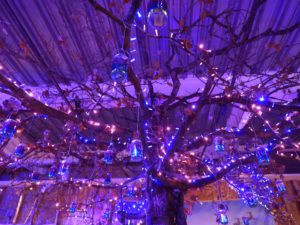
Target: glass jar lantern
[
  {"x": 73, "y": 207},
  {"x": 249, "y": 197},
  {"x": 20, "y": 150},
  {"x": 119, "y": 68},
  {"x": 219, "y": 144},
  {"x": 222, "y": 218},
  {"x": 246, "y": 221},
  {"x": 280, "y": 186},
  {"x": 263, "y": 156},
  {"x": 108, "y": 156},
  {"x": 8, "y": 128},
  {"x": 136, "y": 150},
  {"x": 157, "y": 13},
  {"x": 35, "y": 176},
  {"x": 52, "y": 172},
  {"x": 107, "y": 179}
]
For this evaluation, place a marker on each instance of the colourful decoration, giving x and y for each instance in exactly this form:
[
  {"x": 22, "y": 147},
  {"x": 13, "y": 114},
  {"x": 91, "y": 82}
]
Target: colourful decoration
[
  {"x": 249, "y": 197},
  {"x": 35, "y": 176},
  {"x": 246, "y": 220},
  {"x": 219, "y": 144},
  {"x": 106, "y": 214},
  {"x": 107, "y": 179},
  {"x": 136, "y": 150},
  {"x": 52, "y": 172},
  {"x": 73, "y": 207},
  {"x": 109, "y": 156},
  {"x": 8, "y": 128},
  {"x": 221, "y": 214},
  {"x": 157, "y": 13},
  {"x": 263, "y": 156},
  {"x": 280, "y": 186},
  {"x": 20, "y": 150},
  {"x": 119, "y": 67}
]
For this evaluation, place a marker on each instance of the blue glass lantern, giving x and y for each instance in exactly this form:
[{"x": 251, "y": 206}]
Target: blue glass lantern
[
  {"x": 20, "y": 150},
  {"x": 107, "y": 179},
  {"x": 73, "y": 207},
  {"x": 136, "y": 150},
  {"x": 219, "y": 144},
  {"x": 35, "y": 176},
  {"x": 119, "y": 67},
  {"x": 222, "y": 218},
  {"x": 130, "y": 192},
  {"x": 52, "y": 172},
  {"x": 108, "y": 156},
  {"x": 280, "y": 186},
  {"x": 63, "y": 170},
  {"x": 246, "y": 220},
  {"x": 157, "y": 13},
  {"x": 9, "y": 128},
  {"x": 263, "y": 157},
  {"x": 249, "y": 197},
  {"x": 106, "y": 214}
]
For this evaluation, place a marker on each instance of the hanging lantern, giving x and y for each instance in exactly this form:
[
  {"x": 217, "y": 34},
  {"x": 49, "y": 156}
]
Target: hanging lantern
[
  {"x": 52, "y": 172},
  {"x": 222, "y": 218},
  {"x": 136, "y": 150},
  {"x": 63, "y": 170},
  {"x": 246, "y": 221},
  {"x": 119, "y": 67},
  {"x": 73, "y": 207},
  {"x": 107, "y": 179},
  {"x": 35, "y": 176},
  {"x": 249, "y": 197},
  {"x": 109, "y": 156},
  {"x": 280, "y": 186},
  {"x": 20, "y": 150},
  {"x": 262, "y": 156},
  {"x": 130, "y": 191},
  {"x": 157, "y": 13},
  {"x": 106, "y": 214},
  {"x": 46, "y": 135},
  {"x": 219, "y": 144},
  {"x": 8, "y": 128}
]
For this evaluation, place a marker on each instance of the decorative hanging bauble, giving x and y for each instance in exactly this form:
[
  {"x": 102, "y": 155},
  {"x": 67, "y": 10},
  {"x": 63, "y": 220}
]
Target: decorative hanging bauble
[
  {"x": 246, "y": 221},
  {"x": 262, "y": 156},
  {"x": 73, "y": 207},
  {"x": 9, "y": 128},
  {"x": 136, "y": 150},
  {"x": 109, "y": 156},
  {"x": 119, "y": 68},
  {"x": 157, "y": 13},
  {"x": 20, "y": 150},
  {"x": 249, "y": 197},
  {"x": 35, "y": 176},
  {"x": 107, "y": 179},
  {"x": 52, "y": 172},
  {"x": 222, "y": 218},
  {"x": 219, "y": 144},
  {"x": 280, "y": 186},
  {"x": 106, "y": 214}
]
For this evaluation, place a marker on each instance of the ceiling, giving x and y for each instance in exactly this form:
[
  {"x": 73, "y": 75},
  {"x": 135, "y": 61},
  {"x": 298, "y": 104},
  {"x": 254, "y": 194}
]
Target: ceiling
[{"x": 73, "y": 41}]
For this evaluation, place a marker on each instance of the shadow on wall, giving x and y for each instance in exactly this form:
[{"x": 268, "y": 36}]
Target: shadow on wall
[{"x": 205, "y": 214}]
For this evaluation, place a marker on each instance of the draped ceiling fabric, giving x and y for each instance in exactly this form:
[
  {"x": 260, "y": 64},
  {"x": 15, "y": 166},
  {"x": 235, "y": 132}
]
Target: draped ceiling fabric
[{"x": 73, "y": 41}]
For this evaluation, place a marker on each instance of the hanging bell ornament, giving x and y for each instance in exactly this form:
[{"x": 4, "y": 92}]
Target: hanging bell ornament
[{"x": 157, "y": 13}]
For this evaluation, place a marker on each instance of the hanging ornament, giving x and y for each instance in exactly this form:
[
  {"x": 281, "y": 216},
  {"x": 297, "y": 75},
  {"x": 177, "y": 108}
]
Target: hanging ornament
[
  {"x": 119, "y": 67},
  {"x": 20, "y": 150},
  {"x": 73, "y": 207},
  {"x": 52, "y": 172},
  {"x": 221, "y": 214},
  {"x": 106, "y": 214},
  {"x": 219, "y": 144},
  {"x": 35, "y": 176},
  {"x": 63, "y": 170},
  {"x": 107, "y": 179},
  {"x": 280, "y": 186},
  {"x": 263, "y": 156},
  {"x": 46, "y": 135},
  {"x": 246, "y": 220},
  {"x": 157, "y": 13},
  {"x": 109, "y": 155},
  {"x": 249, "y": 197},
  {"x": 130, "y": 191},
  {"x": 136, "y": 150},
  {"x": 9, "y": 128}
]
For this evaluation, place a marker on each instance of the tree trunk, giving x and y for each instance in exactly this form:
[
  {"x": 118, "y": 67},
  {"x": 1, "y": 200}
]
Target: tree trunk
[{"x": 167, "y": 206}]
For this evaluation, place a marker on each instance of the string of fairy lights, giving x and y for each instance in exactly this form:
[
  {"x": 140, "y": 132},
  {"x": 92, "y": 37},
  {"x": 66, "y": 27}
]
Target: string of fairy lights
[{"x": 131, "y": 199}]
